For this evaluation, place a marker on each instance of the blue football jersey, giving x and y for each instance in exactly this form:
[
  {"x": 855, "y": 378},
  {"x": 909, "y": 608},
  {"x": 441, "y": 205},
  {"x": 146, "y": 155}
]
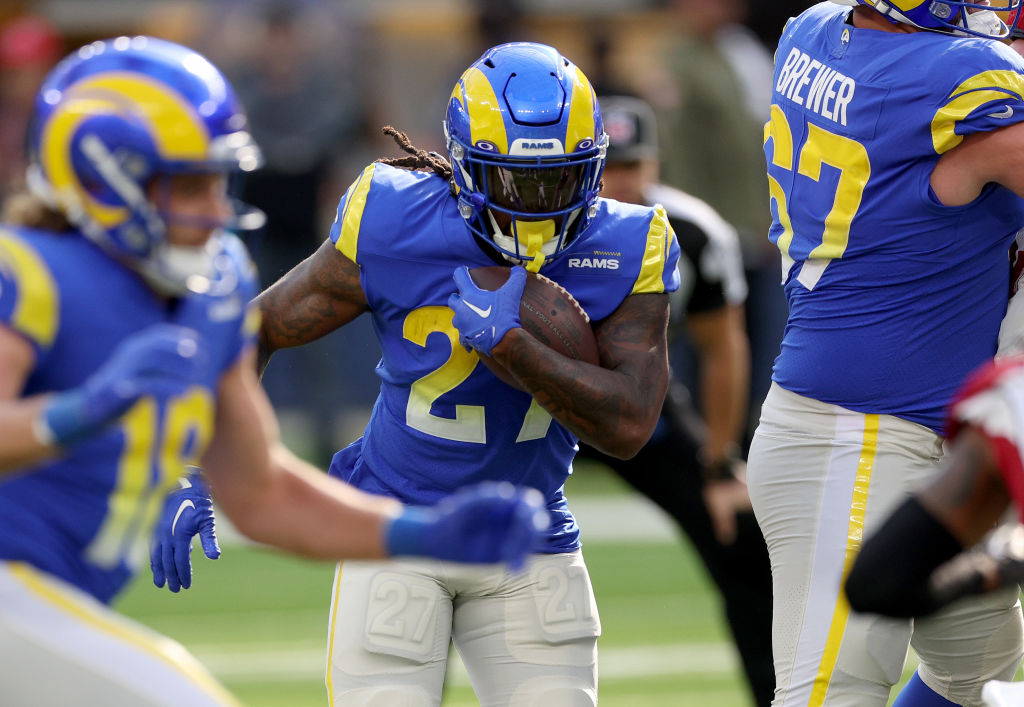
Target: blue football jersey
[
  {"x": 893, "y": 297},
  {"x": 442, "y": 419},
  {"x": 87, "y": 516}
]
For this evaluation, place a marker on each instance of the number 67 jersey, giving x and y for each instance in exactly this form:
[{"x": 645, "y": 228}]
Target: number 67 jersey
[{"x": 893, "y": 296}]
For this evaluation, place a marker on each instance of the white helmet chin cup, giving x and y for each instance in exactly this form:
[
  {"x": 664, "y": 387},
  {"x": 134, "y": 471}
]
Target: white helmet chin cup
[
  {"x": 986, "y": 22},
  {"x": 179, "y": 270}
]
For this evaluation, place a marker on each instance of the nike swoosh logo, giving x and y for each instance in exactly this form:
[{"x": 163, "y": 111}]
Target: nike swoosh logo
[
  {"x": 1006, "y": 112},
  {"x": 181, "y": 509},
  {"x": 482, "y": 312}
]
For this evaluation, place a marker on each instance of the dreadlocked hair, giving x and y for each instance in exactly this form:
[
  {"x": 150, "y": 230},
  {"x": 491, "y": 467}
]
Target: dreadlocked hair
[{"x": 418, "y": 160}]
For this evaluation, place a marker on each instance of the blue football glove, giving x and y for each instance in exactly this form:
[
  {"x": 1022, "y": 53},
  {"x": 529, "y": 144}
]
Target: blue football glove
[
  {"x": 159, "y": 358},
  {"x": 487, "y": 523},
  {"x": 187, "y": 511},
  {"x": 483, "y": 317}
]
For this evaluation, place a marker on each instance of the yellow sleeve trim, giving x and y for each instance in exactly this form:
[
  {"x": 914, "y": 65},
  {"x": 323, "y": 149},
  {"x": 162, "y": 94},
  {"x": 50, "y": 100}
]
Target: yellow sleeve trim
[
  {"x": 659, "y": 238},
  {"x": 967, "y": 98},
  {"x": 352, "y": 217},
  {"x": 36, "y": 313},
  {"x": 253, "y": 319}
]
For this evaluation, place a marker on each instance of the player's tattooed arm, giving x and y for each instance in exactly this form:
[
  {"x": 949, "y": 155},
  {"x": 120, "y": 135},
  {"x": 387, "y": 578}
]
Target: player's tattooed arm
[
  {"x": 316, "y": 297},
  {"x": 613, "y": 408}
]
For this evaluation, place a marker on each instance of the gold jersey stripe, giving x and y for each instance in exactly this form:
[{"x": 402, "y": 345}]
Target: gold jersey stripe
[
  {"x": 968, "y": 97},
  {"x": 36, "y": 313},
  {"x": 352, "y": 216},
  {"x": 659, "y": 240}
]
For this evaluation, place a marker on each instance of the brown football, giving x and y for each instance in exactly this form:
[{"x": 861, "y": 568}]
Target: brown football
[{"x": 549, "y": 313}]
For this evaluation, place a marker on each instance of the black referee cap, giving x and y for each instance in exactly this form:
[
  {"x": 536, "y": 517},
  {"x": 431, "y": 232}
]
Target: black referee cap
[{"x": 631, "y": 127}]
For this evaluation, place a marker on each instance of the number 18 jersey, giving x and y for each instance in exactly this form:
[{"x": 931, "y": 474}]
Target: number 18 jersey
[
  {"x": 87, "y": 515},
  {"x": 893, "y": 297}
]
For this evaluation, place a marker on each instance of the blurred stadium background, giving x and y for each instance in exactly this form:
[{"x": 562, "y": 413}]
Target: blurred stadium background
[{"x": 319, "y": 78}]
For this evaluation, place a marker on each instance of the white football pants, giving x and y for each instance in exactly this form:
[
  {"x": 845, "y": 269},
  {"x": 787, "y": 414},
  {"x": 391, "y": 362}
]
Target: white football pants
[
  {"x": 526, "y": 638},
  {"x": 59, "y": 646},
  {"x": 821, "y": 479}
]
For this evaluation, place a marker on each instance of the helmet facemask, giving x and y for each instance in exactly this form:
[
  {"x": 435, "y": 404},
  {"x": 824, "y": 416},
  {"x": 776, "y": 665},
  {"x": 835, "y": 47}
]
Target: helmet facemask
[
  {"x": 956, "y": 17},
  {"x": 528, "y": 208},
  {"x": 527, "y": 146}
]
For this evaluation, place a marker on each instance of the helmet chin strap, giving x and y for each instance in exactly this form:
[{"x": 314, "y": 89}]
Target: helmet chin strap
[{"x": 175, "y": 270}]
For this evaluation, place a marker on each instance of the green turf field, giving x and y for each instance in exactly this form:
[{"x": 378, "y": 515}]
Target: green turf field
[{"x": 258, "y": 620}]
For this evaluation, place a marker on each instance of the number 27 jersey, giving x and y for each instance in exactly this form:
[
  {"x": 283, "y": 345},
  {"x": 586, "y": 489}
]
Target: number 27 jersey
[
  {"x": 442, "y": 420},
  {"x": 893, "y": 296}
]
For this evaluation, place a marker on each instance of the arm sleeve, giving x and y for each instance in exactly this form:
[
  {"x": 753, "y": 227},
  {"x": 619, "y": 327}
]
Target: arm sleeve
[
  {"x": 658, "y": 271},
  {"x": 988, "y": 100},
  {"x": 349, "y": 217},
  {"x": 892, "y": 573}
]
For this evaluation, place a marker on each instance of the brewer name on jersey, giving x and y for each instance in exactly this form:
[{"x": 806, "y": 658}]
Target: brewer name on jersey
[{"x": 815, "y": 86}]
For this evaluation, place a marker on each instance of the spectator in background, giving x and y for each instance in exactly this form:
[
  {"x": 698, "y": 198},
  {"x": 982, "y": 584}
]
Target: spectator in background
[
  {"x": 291, "y": 65},
  {"x": 29, "y": 47},
  {"x": 767, "y": 17},
  {"x": 691, "y": 467},
  {"x": 720, "y": 75}
]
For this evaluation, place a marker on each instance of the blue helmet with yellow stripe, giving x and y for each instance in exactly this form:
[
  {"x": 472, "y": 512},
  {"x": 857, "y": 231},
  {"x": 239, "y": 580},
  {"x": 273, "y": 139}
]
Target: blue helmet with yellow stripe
[
  {"x": 976, "y": 19},
  {"x": 527, "y": 146},
  {"x": 114, "y": 115}
]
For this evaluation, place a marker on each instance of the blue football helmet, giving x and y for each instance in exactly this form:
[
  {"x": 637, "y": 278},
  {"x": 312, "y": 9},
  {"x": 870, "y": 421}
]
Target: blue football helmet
[
  {"x": 113, "y": 116},
  {"x": 952, "y": 16},
  {"x": 526, "y": 141}
]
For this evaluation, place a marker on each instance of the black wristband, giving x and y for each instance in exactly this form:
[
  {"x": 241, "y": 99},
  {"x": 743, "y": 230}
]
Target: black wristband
[
  {"x": 1016, "y": 32},
  {"x": 722, "y": 468}
]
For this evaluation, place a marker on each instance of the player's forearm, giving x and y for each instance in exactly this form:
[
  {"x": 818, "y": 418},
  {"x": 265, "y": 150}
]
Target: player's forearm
[
  {"x": 317, "y": 296},
  {"x": 725, "y": 376},
  {"x": 612, "y": 411},
  {"x": 20, "y": 443},
  {"x": 305, "y": 512}
]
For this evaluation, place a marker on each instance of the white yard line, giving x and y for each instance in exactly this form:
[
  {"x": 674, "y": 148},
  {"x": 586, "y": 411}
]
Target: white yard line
[{"x": 304, "y": 660}]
